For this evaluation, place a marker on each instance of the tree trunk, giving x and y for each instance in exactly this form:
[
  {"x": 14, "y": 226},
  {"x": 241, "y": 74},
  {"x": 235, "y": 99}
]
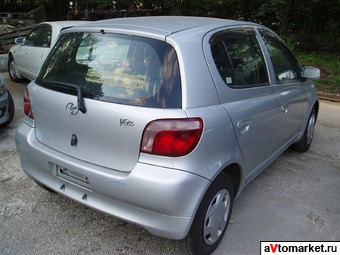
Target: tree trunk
[{"x": 284, "y": 24}]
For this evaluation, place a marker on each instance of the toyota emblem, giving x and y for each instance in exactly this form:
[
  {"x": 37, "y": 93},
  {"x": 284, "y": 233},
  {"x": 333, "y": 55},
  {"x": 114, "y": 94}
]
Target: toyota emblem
[{"x": 72, "y": 109}]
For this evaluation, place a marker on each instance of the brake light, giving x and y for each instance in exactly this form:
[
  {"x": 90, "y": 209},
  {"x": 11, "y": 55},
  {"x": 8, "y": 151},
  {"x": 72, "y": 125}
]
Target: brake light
[
  {"x": 172, "y": 138},
  {"x": 27, "y": 104}
]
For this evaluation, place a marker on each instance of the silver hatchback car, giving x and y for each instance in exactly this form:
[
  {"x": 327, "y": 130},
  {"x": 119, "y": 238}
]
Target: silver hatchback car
[{"x": 162, "y": 121}]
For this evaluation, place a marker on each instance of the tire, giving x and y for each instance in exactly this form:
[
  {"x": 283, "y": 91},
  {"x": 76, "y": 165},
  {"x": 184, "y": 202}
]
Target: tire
[
  {"x": 304, "y": 144},
  {"x": 211, "y": 220},
  {"x": 12, "y": 70},
  {"x": 45, "y": 187},
  {"x": 11, "y": 110}
]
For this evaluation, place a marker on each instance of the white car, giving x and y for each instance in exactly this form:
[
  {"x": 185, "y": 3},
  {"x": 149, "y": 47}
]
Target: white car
[{"x": 26, "y": 58}]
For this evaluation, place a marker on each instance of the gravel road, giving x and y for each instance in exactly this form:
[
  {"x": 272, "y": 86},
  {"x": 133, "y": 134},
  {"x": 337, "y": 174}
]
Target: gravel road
[{"x": 296, "y": 198}]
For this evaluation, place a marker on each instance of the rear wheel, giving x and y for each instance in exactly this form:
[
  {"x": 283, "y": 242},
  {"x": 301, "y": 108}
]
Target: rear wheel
[
  {"x": 11, "y": 110},
  {"x": 12, "y": 70},
  {"x": 306, "y": 140},
  {"x": 211, "y": 219}
]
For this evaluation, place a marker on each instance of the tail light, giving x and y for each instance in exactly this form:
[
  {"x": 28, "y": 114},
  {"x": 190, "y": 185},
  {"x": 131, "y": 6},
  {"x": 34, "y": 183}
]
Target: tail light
[
  {"x": 27, "y": 104},
  {"x": 172, "y": 138}
]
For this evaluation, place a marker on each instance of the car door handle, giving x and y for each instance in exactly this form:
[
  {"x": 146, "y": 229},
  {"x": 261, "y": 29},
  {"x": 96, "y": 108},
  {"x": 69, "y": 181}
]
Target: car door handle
[
  {"x": 25, "y": 52},
  {"x": 243, "y": 126},
  {"x": 284, "y": 108},
  {"x": 41, "y": 55}
]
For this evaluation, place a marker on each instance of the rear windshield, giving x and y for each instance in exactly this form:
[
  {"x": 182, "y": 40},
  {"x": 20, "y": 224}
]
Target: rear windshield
[{"x": 114, "y": 68}]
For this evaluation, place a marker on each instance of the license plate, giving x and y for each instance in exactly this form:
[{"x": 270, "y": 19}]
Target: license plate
[{"x": 73, "y": 176}]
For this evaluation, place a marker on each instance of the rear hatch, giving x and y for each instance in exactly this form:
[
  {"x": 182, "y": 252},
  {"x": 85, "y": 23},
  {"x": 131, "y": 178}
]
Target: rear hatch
[{"x": 124, "y": 82}]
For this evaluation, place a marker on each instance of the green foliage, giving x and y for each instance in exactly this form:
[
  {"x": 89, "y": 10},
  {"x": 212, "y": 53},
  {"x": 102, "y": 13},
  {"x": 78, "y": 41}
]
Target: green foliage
[
  {"x": 313, "y": 23},
  {"x": 271, "y": 10},
  {"x": 290, "y": 41},
  {"x": 329, "y": 65}
]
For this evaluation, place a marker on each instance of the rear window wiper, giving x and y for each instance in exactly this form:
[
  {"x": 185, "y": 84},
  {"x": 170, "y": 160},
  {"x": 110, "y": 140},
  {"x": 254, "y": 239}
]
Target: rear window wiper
[{"x": 80, "y": 93}]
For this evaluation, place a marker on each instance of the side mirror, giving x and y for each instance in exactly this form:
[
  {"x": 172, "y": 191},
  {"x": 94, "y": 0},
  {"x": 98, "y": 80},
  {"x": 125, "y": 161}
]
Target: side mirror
[
  {"x": 19, "y": 41},
  {"x": 311, "y": 73}
]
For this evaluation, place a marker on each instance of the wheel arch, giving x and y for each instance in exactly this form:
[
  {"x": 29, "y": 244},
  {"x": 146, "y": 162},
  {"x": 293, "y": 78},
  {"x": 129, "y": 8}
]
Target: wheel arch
[
  {"x": 316, "y": 106},
  {"x": 10, "y": 55},
  {"x": 235, "y": 174}
]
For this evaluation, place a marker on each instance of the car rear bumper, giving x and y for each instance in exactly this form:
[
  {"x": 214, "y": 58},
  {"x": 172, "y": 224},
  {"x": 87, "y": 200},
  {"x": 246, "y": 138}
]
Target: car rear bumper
[{"x": 162, "y": 200}]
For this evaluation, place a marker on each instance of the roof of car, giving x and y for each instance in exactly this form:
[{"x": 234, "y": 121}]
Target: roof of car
[
  {"x": 66, "y": 23},
  {"x": 164, "y": 24}
]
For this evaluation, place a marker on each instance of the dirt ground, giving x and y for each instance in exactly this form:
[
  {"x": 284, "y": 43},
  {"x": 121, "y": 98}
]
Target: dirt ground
[{"x": 296, "y": 198}]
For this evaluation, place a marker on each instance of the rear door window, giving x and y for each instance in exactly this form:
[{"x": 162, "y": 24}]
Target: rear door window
[
  {"x": 115, "y": 68},
  {"x": 238, "y": 58},
  {"x": 45, "y": 37},
  {"x": 33, "y": 37}
]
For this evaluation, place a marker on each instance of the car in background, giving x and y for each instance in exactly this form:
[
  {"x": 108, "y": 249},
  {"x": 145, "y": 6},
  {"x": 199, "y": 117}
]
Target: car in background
[
  {"x": 6, "y": 104},
  {"x": 162, "y": 121},
  {"x": 27, "y": 56}
]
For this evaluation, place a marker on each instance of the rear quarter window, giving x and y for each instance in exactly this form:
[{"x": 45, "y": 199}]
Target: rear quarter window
[{"x": 115, "y": 68}]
